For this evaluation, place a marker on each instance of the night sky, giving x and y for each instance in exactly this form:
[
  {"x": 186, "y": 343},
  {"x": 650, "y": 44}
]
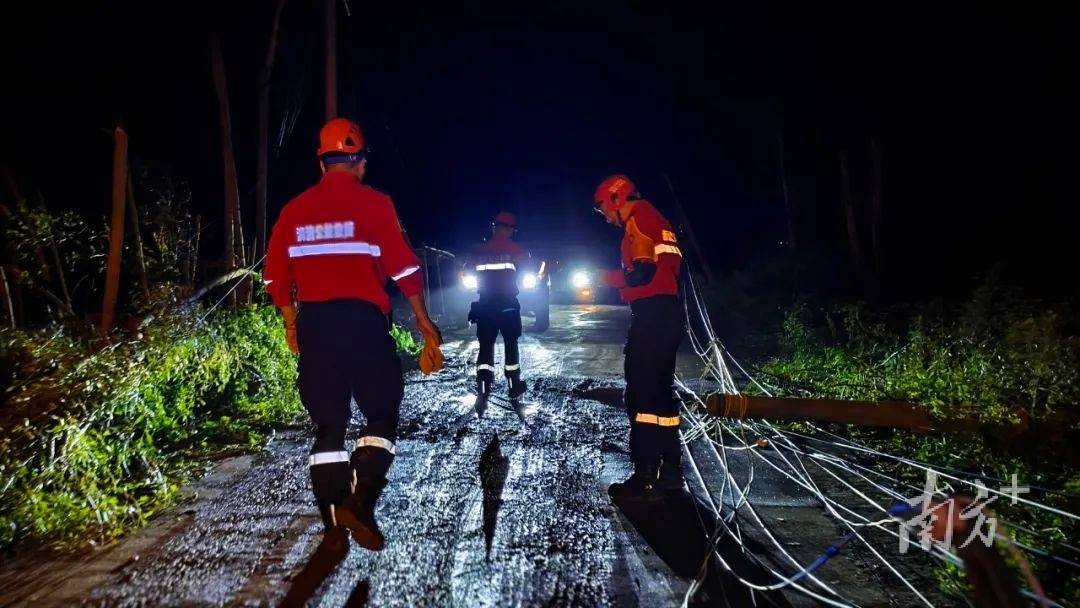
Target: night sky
[{"x": 476, "y": 109}]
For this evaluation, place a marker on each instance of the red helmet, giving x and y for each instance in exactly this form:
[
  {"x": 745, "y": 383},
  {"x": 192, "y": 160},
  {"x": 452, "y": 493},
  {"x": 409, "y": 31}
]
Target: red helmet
[
  {"x": 614, "y": 191},
  {"x": 340, "y": 136},
  {"x": 505, "y": 217}
]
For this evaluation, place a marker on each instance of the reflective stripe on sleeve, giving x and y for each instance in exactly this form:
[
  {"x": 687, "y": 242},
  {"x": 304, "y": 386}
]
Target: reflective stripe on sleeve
[
  {"x": 375, "y": 442},
  {"x": 499, "y": 266},
  {"x": 342, "y": 248},
  {"x": 667, "y": 249},
  {"x": 405, "y": 273},
  {"x": 657, "y": 420},
  {"x": 327, "y": 458}
]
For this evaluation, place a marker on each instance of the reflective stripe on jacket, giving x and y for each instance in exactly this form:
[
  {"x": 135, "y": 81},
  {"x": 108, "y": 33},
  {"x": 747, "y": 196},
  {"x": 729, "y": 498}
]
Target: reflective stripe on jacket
[{"x": 339, "y": 240}]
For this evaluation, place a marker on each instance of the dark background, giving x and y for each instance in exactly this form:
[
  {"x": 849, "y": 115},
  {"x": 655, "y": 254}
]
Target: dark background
[{"x": 974, "y": 113}]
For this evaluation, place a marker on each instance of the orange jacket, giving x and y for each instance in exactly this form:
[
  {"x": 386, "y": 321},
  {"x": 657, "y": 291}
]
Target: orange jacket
[
  {"x": 648, "y": 237},
  {"x": 339, "y": 240}
]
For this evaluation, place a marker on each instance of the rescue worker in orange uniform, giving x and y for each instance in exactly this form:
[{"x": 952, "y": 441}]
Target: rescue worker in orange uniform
[
  {"x": 497, "y": 263},
  {"x": 330, "y": 255},
  {"x": 649, "y": 282}
]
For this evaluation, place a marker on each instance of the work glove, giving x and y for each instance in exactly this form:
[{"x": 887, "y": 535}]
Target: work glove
[
  {"x": 613, "y": 278},
  {"x": 431, "y": 357},
  {"x": 288, "y": 314}
]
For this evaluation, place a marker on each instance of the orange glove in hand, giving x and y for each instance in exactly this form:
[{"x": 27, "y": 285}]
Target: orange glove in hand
[
  {"x": 431, "y": 357},
  {"x": 288, "y": 313}
]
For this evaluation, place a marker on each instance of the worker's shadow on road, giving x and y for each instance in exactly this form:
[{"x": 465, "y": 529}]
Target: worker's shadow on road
[
  {"x": 678, "y": 531},
  {"x": 322, "y": 563},
  {"x": 494, "y": 468}
]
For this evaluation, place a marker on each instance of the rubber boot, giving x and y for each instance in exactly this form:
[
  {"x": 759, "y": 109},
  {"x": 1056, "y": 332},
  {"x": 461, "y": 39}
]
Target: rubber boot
[
  {"x": 639, "y": 487},
  {"x": 671, "y": 482},
  {"x": 357, "y": 511},
  {"x": 484, "y": 379},
  {"x": 517, "y": 385},
  {"x": 335, "y": 542},
  {"x": 329, "y": 483},
  {"x": 357, "y": 514}
]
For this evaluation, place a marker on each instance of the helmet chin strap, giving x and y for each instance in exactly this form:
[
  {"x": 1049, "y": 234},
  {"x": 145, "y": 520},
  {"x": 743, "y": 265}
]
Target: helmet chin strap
[{"x": 620, "y": 222}]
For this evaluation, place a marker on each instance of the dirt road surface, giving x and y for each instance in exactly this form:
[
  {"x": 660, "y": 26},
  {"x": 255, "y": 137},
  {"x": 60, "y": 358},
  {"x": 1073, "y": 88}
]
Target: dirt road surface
[{"x": 491, "y": 511}]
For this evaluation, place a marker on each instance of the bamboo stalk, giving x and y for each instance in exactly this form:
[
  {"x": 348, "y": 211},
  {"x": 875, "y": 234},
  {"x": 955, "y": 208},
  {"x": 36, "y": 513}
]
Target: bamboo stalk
[
  {"x": 234, "y": 231},
  {"x": 116, "y": 233},
  {"x": 54, "y": 253},
  {"x": 849, "y": 213},
  {"x": 7, "y": 296},
  {"x": 140, "y": 260},
  {"x": 330, "y": 36},
  {"x": 262, "y": 169}
]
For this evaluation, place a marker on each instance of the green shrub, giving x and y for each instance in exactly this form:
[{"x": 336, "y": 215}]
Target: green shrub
[
  {"x": 405, "y": 341},
  {"x": 92, "y": 444}
]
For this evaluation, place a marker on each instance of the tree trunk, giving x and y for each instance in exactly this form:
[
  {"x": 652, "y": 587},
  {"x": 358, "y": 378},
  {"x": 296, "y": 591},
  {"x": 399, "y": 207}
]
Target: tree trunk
[
  {"x": 57, "y": 262},
  {"x": 849, "y": 213},
  {"x": 876, "y": 211},
  {"x": 331, "y": 59},
  {"x": 263, "y": 167},
  {"x": 788, "y": 209},
  {"x": 234, "y": 234},
  {"x": 136, "y": 233},
  {"x": 116, "y": 233},
  {"x": 10, "y": 307}
]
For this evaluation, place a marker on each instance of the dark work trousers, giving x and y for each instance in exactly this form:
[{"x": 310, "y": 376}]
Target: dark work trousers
[
  {"x": 346, "y": 353},
  {"x": 656, "y": 329},
  {"x": 494, "y": 316}
]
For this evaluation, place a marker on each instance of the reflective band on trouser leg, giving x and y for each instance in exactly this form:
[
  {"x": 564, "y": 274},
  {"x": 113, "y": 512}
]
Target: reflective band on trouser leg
[
  {"x": 512, "y": 367},
  {"x": 327, "y": 458},
  {"x": 485, "y": 366},
  {"x": 657, "y": 420},
  {"x": 375, "y": 442}
]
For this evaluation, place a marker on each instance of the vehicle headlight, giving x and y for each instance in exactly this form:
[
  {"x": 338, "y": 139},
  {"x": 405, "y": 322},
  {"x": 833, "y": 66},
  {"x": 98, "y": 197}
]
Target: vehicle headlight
[
  {"x": 529, "y": 280},
  {"x": 580, "y": 279},
  {"x": 469, "y": 281}
]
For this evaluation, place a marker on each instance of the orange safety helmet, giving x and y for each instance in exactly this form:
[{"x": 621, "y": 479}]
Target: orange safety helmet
[
  {"x": 614, "y": 192},
  {"x": 340, "y": 136},
  {"x": 505, "y": 217}
]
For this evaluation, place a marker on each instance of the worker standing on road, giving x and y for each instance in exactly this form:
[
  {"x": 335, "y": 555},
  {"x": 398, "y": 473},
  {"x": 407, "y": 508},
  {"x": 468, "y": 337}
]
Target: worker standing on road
[
  {"x": 331, "y": 253},
  {"x": 497, "y": 262},
  {"x": 649, "y": 282}
]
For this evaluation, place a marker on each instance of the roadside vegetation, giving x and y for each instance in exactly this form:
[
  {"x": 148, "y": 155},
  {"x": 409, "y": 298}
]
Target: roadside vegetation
[
  {"x": 97, "y": 434},
  {"x": 1009, "y": 362}
]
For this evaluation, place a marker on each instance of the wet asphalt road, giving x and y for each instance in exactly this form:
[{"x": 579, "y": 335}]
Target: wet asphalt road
[{"x": 479, "y": 512}]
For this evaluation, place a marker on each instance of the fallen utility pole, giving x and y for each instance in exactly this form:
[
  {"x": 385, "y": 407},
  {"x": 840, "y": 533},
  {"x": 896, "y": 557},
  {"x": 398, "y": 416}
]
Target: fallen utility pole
[{"x": 894, "y": 414}]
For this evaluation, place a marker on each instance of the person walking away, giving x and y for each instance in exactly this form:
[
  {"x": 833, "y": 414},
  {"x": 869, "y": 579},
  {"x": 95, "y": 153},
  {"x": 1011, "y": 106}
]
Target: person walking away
[
  {"x": 497, "y": 263},
  {"x": 331, "y": 252}
]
